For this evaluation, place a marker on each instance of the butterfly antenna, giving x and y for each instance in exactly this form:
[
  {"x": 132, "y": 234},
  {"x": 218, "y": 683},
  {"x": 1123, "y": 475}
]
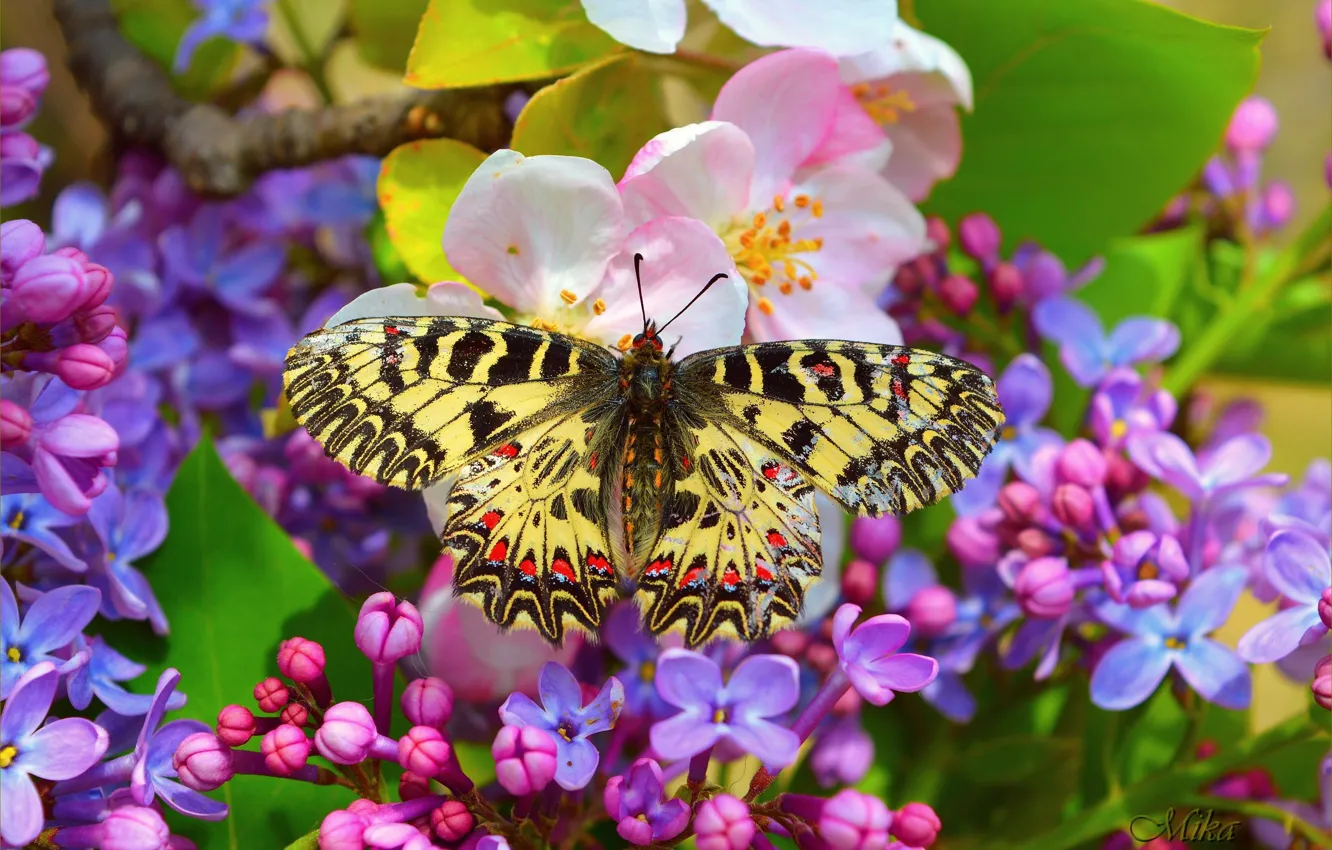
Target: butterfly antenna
[
  {"x": 715, "y": 278},
  {"x": 638, "y": 261}
]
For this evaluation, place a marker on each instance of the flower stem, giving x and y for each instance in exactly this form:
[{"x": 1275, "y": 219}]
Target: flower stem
[
  {"x": 1294, "y": 824},
  {"x": 383, "y": 694},
  {"x": 698, "y": 770},
  {"x": 829, "y": 693}
]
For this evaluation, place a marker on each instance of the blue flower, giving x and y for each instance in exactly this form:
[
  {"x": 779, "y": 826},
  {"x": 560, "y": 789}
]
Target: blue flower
[
  {"x": 982, "y": 615},
  {"x": 29, "y": 518},
  {"x": 1160, "y": 639},
  {"x": 245, "y": 21},
  {"x": 98, "y": 677},
  {"x": 1025, "y": 390},
  {"x": 50, "y": 624},
  {"x": 1297, "y": 565},
  {"x": 1087, "y": 353},
  {"x": 1046, "y": 276},
  {"x": 638, "y": 650},
  {"x": 569, "y": 722},
  {"x": 203, "y": 255},
  {"x": 128, "y": 525}
]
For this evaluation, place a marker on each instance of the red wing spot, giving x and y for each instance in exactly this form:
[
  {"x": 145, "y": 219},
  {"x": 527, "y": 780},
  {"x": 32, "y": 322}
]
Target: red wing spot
[
  {"x": 762, "y": 572},
  {"x": 390, "y": 329},
  {"x": 528, "y": 568},
  {"x": 901, "y": 360},
  {"x": 691, "y": 576},
  {"x": 592, "y": 461},
  {"x": 771, "y": 471},
  {"x": 500, "y": 551},
  {"x": 775, "y": 539},
  {"x": 491, "y": 519},
  {"x": 658, "y": 567},
  {"x": 824, "y": 370},
  {"x": 898, "y": 389},
  {"x": 731, "y": 578},
  {"x": 598, "y": 563},
  {"x": 561, "y": 568},
  {"x": 685, "y": 461},
  {"x": 506, "y": 450}
]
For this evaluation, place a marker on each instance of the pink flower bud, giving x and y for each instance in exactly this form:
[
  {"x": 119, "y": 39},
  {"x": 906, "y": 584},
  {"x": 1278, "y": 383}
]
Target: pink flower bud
[
  {"x": 342, "y": 830},
  {"x": 451, "y": 821},
  {"x": 1020, "y": 502},
  {"x": 301, "y": 660},
  {"x": 15, "y": 424},
  {"x": 386, "y": 631},
  {"x": 84, "y": 367},
  {"x": 852, "y": 820},
  {"x": 134, "y": 828},
  {"x": 295, "y": 714},
  {"x": 1278, "y": 204},
  {"x": 860, "y": 579},
  {"x": 932, "y": 610},
  {"x": 1081, "y": 462},
  {"x": 1323, "y": 18},
  {"x": 936, "y": 230},
  {"x": 958, "y": 293},
  {"x": 427, "y": 702},
  {"x": 235, "y": 725},
  {"x": 1043, "y": 588},
  {"x": 979, "y": 236},
  {"x": 908, "y": 281},
  {"x": 423, "y": 750},
  {"x": 99, "y": 280},
  {"x": 271, "y": 694},
  {"x": 48, "y": 289},
  {"x": 1036, "y": 543},
  {"x": 347, "y": 733},
  {"x": 285, "y": 749},
  {"x": 916, "y": 825},
  {"x": 116, "y": 346},
  {"x": 822, "y": 657},
  {"x": 524, "y": 759},
  {"x": 1325, "y": 607},
  {"x": 790, "y": 642},
  {"x": 203, "y": 762},
  {"x": 1206, "y": 749},
  {"x": 95, "y": 324},
  {"x": 413, "y": 786},
  {"x": 24, "y": 68},
  {"x": 723, "y": 823},
  {"x": 1006, "y": 284},
  {"x": 20, "y": 241},
  {"x": 971, "y": 543},
  {"x": 848, "y": 703},
  {"x": 1073, "y": 506},
  {"x": 1252, "y": 126},
  {"x": 1123, "y": 478},
  {"x": 16, "y": 105},
  {"x": 1322, "y": 682},
  {"x": 876, "y": 538}
]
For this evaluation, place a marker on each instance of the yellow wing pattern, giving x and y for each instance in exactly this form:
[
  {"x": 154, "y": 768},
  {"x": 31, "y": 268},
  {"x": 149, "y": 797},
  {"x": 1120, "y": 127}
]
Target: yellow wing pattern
[
  {"x": 407, "y": 400},
  {"x": 880, "y": 428},
  {"x": 526, "y": 529},
  {"x": 739, "y": 542}
]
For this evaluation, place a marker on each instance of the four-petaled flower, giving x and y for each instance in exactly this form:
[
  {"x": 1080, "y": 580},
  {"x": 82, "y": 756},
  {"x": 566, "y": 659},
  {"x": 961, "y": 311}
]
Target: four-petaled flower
[
  {"x": 1087, "y": 353},
  {"x": 564, "y": 716},
  {"x": 1232, "y": 466},
  {"x": 635, "y": 802},
  {"x": 868, "y": 655},
  {"x": 1298, "y": 566},
  {"x": 762, "y": 686},
  {"x": 1160, "y": 638},
  {"x": 50, "y": 624}
]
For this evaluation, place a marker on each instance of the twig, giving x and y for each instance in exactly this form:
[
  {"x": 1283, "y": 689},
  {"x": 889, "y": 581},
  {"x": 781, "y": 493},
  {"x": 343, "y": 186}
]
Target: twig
[{"x": 220, "y": 154}]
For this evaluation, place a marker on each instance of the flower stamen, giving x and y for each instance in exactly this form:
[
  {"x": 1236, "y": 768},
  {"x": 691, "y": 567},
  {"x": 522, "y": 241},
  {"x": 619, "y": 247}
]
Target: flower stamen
[
  {"x": 882, "y": 103},
  {"x": 767, "y": 249},
  {"x": 568, "y": 297},
  {"x": 7, "y": 756}
]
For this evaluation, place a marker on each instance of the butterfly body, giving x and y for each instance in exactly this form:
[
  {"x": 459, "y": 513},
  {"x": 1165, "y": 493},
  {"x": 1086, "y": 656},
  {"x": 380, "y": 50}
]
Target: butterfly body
[{"x": 576, "y": 473}]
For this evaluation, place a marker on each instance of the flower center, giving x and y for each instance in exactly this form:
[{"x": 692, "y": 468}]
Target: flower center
[
  {"x": 17, "y": 521},
  {"x": 568, "y": 317},
  {"x": 1009, "y": 433},
  {"x": 882, "y": 103},
  {"x": 7, "y": 756},
  {"x": 13, "y": 654},
  {"x": 719, "y": 716},
  {"x": 567, "y": 730},
  {"x": 1118, "y": 429},
  {"x": 1148, "y": 570},
  {"x": 1174, "y": 642},
  {"x": 647, "y": 671},
  {"x": 767, "y": 250}
]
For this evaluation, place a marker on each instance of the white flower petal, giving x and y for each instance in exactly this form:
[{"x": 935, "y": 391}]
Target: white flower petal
[
  {"x": 526, "y": 228},
  {"x": 841, "y": 27},
  {"x": 652, "y": 25},
  {"x": 825, "y": 312},
  {"x": 404, "y": 299},
  {"x": 911, "y": 51}
]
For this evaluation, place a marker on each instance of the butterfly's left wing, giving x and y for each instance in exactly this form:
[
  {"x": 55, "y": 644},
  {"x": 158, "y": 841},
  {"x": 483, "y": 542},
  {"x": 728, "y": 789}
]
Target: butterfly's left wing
[{"x": 880, "y": 428}]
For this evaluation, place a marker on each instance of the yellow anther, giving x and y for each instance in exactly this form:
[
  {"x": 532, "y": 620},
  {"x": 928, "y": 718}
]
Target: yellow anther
[
  {"x": 816, "y": 209},
  {"x": 806, "y": 283},
  {"x": 568, "y": 297},
  {"x": 7, "y": 755},
  {"x": 625, "y": 342},
  {"x": 598, "y": 307},
  {"x": 1175, "y": 643},
  {"x": 760, "y": 221},
  {"x": 784, "y": 287},
  {"x": 765, "y": 306},
  {"x": 784, "y": 229},
  {"x": 779, "y": 203},
  {"x": 1118, "y": 429},
  {"x": 13, "y": 654},
  {"x": 802, "y": 201}
]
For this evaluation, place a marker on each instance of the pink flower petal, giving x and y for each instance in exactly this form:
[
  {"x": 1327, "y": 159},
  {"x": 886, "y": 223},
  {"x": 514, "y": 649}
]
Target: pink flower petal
[
  {"x": 927, "y": 146},
  {"x": 854, "y": 135},
  {"x": 912, "y": 51},
  {"x": 526, "y": 228},
  {"x": 80, "y": 435},
  {"x": 826, "y": 312},
  {"x": 700, "y": 170}
]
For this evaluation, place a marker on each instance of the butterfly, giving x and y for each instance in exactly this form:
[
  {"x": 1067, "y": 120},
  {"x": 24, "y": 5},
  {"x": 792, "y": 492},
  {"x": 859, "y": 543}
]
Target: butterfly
[{"x": 576, "y": 472}]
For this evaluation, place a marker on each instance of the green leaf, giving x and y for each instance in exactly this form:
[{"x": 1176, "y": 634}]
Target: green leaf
[
  {"x": 233, "y": 586},
  {"x": 302, "y": 30},
  {"x": 418, "y": 183},
  {"x": 605, "y": 113},
  {"x": 1152, "y": 737},
  {"x": 388, "y": 261},
  {"x": 479, "y": 42},
  {"x": 1013, "y": 758},
  {"x": 309, "y": 841},
  {"x": 476, "y": 761},
  {"x": 1089, "y": 115},
  {"x": 1144, "y": 275},
  {"x": 385, "y": 30},
  {"x": 155, "y": 27}
]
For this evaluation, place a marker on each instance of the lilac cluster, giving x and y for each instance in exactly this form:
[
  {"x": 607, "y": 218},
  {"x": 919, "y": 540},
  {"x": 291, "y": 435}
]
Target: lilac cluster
[
  {"x": 23, "y": 78},
  {"x": 702, "y": 708},
  {"x": 78, "y": 782}
]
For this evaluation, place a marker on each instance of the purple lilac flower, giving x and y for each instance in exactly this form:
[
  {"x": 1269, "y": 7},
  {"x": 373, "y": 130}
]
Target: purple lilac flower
[
  {"x": 625, "y": 637},
  {"x": 1045, "y": 276},
  {"x": 202, "y": 255},
  {"x": 761, "y": 687},
  {"x": 23, "y": 78},
  {"x": 635, "y": 802},
  {"x": 1145, "y": 569},
  {"x": 1123, "y": 407},
  {"x": 869, "y": 658},
  {"x": 1025, "y": 391},
  {"x": 244, "y": 21},
  {"x": 48, "y": 626},
  {"x": 99, "y": 677},
  {"x": 28, "y": 518},
  {"x": 1298, "y": 566},
  {"x": 843, "y": 753},
  {"x": 1276, "y": 836},
  {"x": 1160, "y": 638},
  {"x": 1085, "y": 350},
  {"x": 128, "y": 526},
  {"x": 569, "y": 722},
  {"x": 58, "y": 750},
  {"x": 1234, "y": 465}
]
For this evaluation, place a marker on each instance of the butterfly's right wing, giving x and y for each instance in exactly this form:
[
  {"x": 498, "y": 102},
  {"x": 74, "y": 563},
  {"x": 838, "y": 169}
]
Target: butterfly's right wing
[{"x": 408, "y": 400}]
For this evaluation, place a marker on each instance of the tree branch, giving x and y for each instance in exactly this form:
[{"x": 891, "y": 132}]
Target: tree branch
[{"x": 220, "y": 154}]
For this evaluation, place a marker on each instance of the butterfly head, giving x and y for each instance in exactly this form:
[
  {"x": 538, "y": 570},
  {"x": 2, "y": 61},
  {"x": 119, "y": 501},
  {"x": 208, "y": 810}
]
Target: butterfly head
[{"x": 648, "y": 339}]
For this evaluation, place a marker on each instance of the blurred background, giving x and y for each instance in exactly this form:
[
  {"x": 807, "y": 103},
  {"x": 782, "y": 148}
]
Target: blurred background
[{"x": 1294, "y": 78}]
